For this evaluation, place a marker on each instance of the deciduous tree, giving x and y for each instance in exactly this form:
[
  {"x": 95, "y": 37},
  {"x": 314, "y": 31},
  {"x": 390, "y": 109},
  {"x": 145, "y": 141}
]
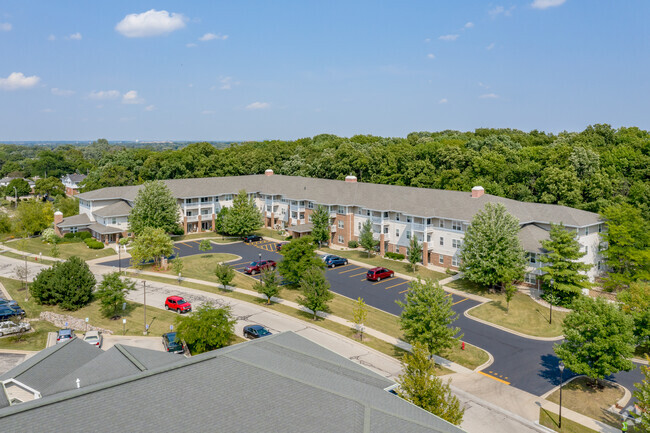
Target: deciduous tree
[
  {"x": 155, "y": 207},
  {"x": 491, "y": 253},
  {"x": 33, "y": 216},
  {"x": 244, "y": 217},
  {"x": 224, "y": 273},
  {"x": 636, "y": 303},
  {"x": 321, "y": 222},
  {"x": 427, "y": 316},
  {"x": 51, "y": 186},
  {"x": 205, "y": 245},
  {"x": 415, "y": 252},
  {"x": 366, "y": 238},
  {"x": 642, "y": 394},
  {"x": 112, "y": 292},
  {"x": 207, "y": 328},
  {"x": 315, "y": 290},
  {"x": 268, "y": 285},
  {"x": 359, "y": 315},
  {"x": 21, "y": 186},
  {"x": 152, "y": 244},
  {"x": 299, "y": 257}
]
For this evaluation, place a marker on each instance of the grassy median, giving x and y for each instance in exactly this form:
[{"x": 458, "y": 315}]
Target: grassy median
[{"x": 66, "y": 250}]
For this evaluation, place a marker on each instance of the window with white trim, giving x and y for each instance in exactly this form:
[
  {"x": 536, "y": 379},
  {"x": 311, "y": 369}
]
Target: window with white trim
[
  {"x": 442, "y": 241},
  {"x": 457, "y": 225},
  {"x": 227, "y": 197},
  {"x": 341, "y": 239},
  {"x": 408, "y": 218},
  {"x": 428, "y": 221},
  {"x": 441, "y": 259},
  {"x": 359, "y": 225},
  {"x": 206, "y": 199},
  {"x": 309, "y": 218},
  {"x": 586, "y": 231},
  {"x": 310, "y": 205},
  {"x": 386, "y": 230},
  {"x": 73, "y": 229},
  {"x": 456, "y": 243},
  {"x": 396, "y": 232},
  {"x": 530, "y": 279},
  {"x": 367, "y": 212},
  {"x": 532, "y": 258},
  {"x": 397, "y": 217},
  {"x": 455, "y": 261},
  {"x": 385, "y": 214},
  {"x": 341, "y": 224},
  {"x": 408, "y": 234},
  {"x": 442, "y": 224},
  {"x": 341, "y": 209}
]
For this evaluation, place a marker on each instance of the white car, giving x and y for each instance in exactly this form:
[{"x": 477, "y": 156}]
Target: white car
[
  {"x": 10, "y": 327},
  {"x": 94, "y": 338}
]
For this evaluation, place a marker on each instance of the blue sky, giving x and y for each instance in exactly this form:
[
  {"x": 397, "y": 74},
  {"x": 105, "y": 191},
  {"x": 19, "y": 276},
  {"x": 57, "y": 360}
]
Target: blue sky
[{"x": 244, "y": 70}]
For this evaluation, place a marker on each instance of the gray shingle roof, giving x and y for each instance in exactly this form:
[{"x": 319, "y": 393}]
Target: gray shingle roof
[
  {"x": 76, "y": 178},
  {"x": 75, "y": 220},
  {"x": 104, "y": 230},
  {"x": 278, "y": 383},
  {"x": 531, "y": 236},
  {"x": 421, "y": 202},
  {"x": 121, "y": 208},
  {"x": 302, "y": 228}
]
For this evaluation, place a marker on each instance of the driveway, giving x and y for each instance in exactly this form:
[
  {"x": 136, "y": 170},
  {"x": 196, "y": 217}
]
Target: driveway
[{"x": 527, "y": 364}]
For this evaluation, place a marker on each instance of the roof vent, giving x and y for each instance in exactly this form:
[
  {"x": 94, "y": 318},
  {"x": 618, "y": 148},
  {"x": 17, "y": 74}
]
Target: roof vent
[
  {"x": 269, "y": 172},
  {"x": 351, "y": 179},
  {"x": 477, "y": 191}
]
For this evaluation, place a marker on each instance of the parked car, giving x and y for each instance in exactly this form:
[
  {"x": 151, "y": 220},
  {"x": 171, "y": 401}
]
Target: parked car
[
  {"x": 94, "y": 338},
  {"x": 279, "y": 245},
  {"x": 252, "y": 238},
  {"x": 171, "y": 343},
  {"x": 9, "y": 327},
  {"x": 378, "y": 274},
  {"x": 64, "y": 335},
  {"x": 331, "y": 261},
  {"x": 9, "y": 302},
  {"x": 178, "y": 304},
  {"x": 7, "y": 312},
  {"x": 255, "y": 331},
  {"x": 257, "y": 267}
]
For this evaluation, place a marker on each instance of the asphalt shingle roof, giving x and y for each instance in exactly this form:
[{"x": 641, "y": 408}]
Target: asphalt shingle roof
[
  {"x": 104, "y": 230},
  {"x": 421, "y": 202},
  {"x": 121, "y": 208},
  {"x": 75, "y": 220},
  {"x": 531, "y": 236}
]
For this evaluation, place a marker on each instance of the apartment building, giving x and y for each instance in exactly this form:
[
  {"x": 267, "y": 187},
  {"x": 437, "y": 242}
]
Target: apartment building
[{"x": 438, "y": 218}]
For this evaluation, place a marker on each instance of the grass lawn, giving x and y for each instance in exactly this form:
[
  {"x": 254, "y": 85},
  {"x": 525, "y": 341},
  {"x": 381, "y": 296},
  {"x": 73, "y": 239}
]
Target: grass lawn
[
  {"x": 580, "y": 397},
  {"x": 200, "y": 266},
  {"x": 376, "y": 260},
  {"x": 214, "y": 237},
  {"x": 642, "y": 351},
  {"x": 34, "y": 340},
  {"x": 270, "y": 233},
  {"x": 157, "y": 318},
  {"x": 80, "y": 249},
  {"x": 525, "y": 315},
  {"x": 29, "y": 258},
  {"x": 550, "y": 420}
]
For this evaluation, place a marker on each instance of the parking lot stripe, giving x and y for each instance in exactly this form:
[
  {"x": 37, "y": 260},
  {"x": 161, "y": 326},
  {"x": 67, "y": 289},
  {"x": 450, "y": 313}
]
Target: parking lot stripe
[
  {"x": 350, "y": 270},
  {"x": 458, "y": 302},
  {"x": 495, "y": 378},
  {"x": 395, "y": 285},
  {"x": 187, "y": 245},
  {"x": 379, "y": 282},
  {"x": 356, "y": 275},
  {"x": 404, "y": 291}
]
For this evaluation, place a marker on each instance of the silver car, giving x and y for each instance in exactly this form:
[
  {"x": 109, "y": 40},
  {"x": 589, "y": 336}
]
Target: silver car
[
  {"x": 10, "y": 327},
  {"x": 94, "y": 338}
]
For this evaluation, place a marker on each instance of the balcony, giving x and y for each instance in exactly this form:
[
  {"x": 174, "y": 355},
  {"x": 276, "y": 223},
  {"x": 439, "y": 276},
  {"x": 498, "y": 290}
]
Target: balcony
[
  {"x": 418, "y": 227},
  {"x": 376, "y": 219},
  {"x": 192, "y": 218},
  {"x": 333, "y": 228}
]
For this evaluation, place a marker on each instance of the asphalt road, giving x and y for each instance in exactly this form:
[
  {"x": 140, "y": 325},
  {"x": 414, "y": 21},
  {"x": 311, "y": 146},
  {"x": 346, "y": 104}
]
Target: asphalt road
[{"x": 527, "y": 364}]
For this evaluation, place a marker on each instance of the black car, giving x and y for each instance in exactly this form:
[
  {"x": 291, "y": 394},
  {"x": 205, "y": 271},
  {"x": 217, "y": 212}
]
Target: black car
[
  {"x": 255, "y": 331},
  {"x": 171, "y": 343},
  {"x": 331, "y": 261},
  {"x": 252, "y": 238}
]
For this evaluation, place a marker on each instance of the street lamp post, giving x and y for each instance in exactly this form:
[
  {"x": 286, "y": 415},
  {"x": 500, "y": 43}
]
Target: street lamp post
[
  {"x": 144, "y": 287},
  {"x": 561, "y": 365},
  {"x": 260, "y": 256}
]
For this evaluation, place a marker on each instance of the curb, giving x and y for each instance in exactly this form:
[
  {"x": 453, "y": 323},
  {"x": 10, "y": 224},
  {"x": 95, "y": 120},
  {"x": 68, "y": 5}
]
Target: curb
[
  {"x": 503, "y": 328},
  {"x": 487, "y": 363}
]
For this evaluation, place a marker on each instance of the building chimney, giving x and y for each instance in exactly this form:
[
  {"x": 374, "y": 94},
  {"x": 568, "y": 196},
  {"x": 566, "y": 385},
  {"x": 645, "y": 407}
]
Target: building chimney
[
  {"x": 58, "y": 217},
  {"x": 269, "y": 172},
  {"x": 351, "y": 179},
  {"x": 477, "y": 191}
]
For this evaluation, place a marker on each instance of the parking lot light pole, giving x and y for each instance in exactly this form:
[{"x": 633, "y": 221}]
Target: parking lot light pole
[
  {"x": 561, "y": 365},
  {"x": 144, "y": 287},
  {"x": 260, "y": 256}
]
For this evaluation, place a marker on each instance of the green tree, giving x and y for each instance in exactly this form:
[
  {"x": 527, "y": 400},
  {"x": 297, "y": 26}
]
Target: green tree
[
  {"x": 207, "y": 328},
  {"x": 642, "y": 394},
  {"x": 69, "y": 284},
  {"x": 427, "y": 316},
  {"x": 359, "y": 315},
  {"x": 244, "y": 217},
  {"x": 220, "y": 220},
  {"x": 205, "y": 245},
  {"x": 112, "y": 292},
  {"x": 628, "y": 246},
  {"x": 598, "y": 339},
  {"x": 224, "y": 273},
  {"x": 151, "y": 244},
  {"x": 54, "y": 251},
  {"x": 43, "y": 287},
  {"x": 51, "y": 186},
  {"x": 321, "y": 222},
  {"x": 68, "y": 206},
  {"x": 177, "y": 265},
  {"x": 562, "y": 265},
  {"x": 510, "y": 291},
  {"x": 491, "y": 253},
  {"x": 299, "y": 257},
  {"x": 636, "y": 303},
  {"x": 419, "y": 384},
  {"x": 5, "y": 223},
  {"x": 366, "y": 237},
  {"x": 415, "y": 253},
  {"x": 154, "y": 207},
  {"x": 21, "y": 186},
  {"x": 315, "y": 290},
  {"x": 33, "y": 216},
  {"x": 268, "y": 285}
]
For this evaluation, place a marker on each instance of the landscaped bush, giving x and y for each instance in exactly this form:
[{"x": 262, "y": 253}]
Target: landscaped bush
[
  {"x": 395, "y": 256},
  {"x": 353, "y": 244},
  {"x": 84, "y": 235},
  {"x": 178, "y": 230},
  {"x": 69, "y": 235},
  {"x": 75, "y": 237},
  {"x": 49, "y": 236},
  {"x": 68, "y": 284},
  {"x": 94, "y": 244}
]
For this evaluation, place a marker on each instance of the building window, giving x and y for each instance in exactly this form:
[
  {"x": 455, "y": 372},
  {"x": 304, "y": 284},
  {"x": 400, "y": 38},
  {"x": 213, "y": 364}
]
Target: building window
[
  {"x": 586, "y": 231},
  {"x": 367, "y": 212},
  {"x": 227, "y": 197},
  {"x": 442, "y": 241},
  {"x": 455, "y": 261},
  {"x": 73, "y": 229},
  {"x": 532, "y": 258},
  {"x": 205, "y": 200},
  {"x": 302, "y": 204},
  {"x": 310, "y": 205},
  {"x": 600, "y": 228},
  {"x": 206, "y": 211},
  {"x": 442, "y": 224},
  {"x": 309, "y": 218},
  {"x": 396, "y": 217},
  {"x": 428, "y": 221},
  {"x": 341, "y": 240},
  {"x": 360, "y": 211},
  {"x": 456, "y": 225},
  {"x": 530, "y": 279},
  {"x": 386, "y": 230},
  {"x": 359, "y": 225},
  {"x": 341, "y": 224},
  {"x": 408, "y": 234},
  {"x": 428, "y": 237},
  {"x": 294, "y": 215},
  {"x": 283, "y": 211},
  {"x": 283, "y": 200},
  {"x": 341, "y": 209},
  {"x": 408, "y": 218},
  {"x": 302, "y": 215},
  {"x": 385, "y": 214},
  {"x": 396, "y": 232},
  {"x": 456, "y": 243},
  {"x": 441, "y": 259}
]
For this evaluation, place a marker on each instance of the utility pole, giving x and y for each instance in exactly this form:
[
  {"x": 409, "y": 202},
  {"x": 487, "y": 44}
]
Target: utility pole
[
  {"x": 119, "y": 256},
  {"x": 15, "y": 198},
  {"x": 144, "y": 286}
]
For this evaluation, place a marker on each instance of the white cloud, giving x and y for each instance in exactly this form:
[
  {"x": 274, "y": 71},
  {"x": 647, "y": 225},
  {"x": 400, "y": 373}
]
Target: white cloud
[
  {"x": 17, "y": 80},
  {"x": 149, "y": 108},
  {"x": 258, "y": 106},
  {"x": 207, "y": 112},
  {"x": 481, "y": 84},
  {"x": 443, "y": 101},
  {"x": 150, "y": 23},
  {"x": 104, "y": 94},
  {"x": 448, "y": 38},
  {"x": 489, "y": 96},
  {"x": 489, "y": 47},
  {"x": 212, "y": 36},
  {"x": 131, "y": 97},
  {"x": 469, "y": 25},
  {"x": 47, "y": 110},
  {"x": 427, "y": 40},
  {"x": 51, "y": 38},
  {"x": 190, "y": 45},
  {"x": 431, "y": 56},
  {"x": 227, "y": 83},
  {"x": 500, "y": 10},
  {"x": 74, "y": 36},
  {"x": 544, "y": 4},
  {"x": 5, "y": 27},
  {"x": 61, "y": 92}
]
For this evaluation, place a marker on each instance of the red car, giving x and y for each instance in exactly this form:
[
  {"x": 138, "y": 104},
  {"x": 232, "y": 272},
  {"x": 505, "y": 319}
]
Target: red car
[
  {"x": 257, "y": 267},
  {"x": 378, "y": 274},
  {"x": 177, "y": 303}
]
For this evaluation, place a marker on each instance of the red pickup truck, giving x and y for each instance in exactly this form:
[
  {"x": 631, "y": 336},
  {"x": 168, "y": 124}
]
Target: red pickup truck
[{"x": 257, "y": 267}]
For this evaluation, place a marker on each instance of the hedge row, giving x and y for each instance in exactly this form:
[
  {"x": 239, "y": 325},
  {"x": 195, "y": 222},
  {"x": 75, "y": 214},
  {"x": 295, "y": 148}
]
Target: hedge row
[
  {"x": 94, "y": 244},
  {"x": 395, "y": 256}
]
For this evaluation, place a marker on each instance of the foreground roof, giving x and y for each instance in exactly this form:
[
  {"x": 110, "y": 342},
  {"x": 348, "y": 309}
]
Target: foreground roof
[
  {"x": 120, "y": 208},
  {"x": 283, "y": 382},
  {"x": 422, "y": 202},
  {"x": 75, "y": 220},
  {"x": 531, "y": 237}
]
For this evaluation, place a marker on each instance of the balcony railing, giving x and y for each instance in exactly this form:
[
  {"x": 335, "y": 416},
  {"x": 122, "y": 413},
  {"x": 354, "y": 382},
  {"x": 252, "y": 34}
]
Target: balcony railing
[
  {"x": 333, "y": 228},
  {"x": 192, "y": 218},
  {"x": 418, "y": 227}
]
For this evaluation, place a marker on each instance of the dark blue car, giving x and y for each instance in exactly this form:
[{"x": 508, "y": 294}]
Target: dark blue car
[{"x": 331, "y": 261}]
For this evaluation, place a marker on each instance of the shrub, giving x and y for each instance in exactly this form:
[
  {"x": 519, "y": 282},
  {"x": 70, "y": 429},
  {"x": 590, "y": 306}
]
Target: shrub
[
  {"x": 69, "y": 235},
  {"x": 84, "y": 235},
  {"x": 178, "y": 230},
  {"x": 125, "y": 241},
  {"x": 68, "y": 284},
  {"x": 94, "y": 244},
  {"x": 49, "y": 236},
  {"x": 353, "y": 244},
  {"x": 395, "y": 256}
]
